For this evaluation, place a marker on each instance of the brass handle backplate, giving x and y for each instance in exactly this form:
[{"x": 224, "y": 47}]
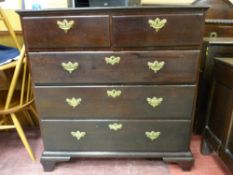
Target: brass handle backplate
[
  {"x": 152, "y": 135},
  {"x": 213, "y": 35},
  {"x": 112, "y": 60},
  {"x": 69, "y": 66},
  {"x": 114, "y": 93},
  {"x": 115, "y": 126},
  {"x": 74, "y": 102},
  {"x": 154, "y": 101},
  {"x": 78, "y": 134},
  {"x": 156, "y": 65},
  {"x": 65, "y": 25},
  {"x": 157, "y": 23}
]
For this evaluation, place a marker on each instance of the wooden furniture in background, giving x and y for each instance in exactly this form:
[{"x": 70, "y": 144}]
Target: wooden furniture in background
[
  {"x": 212, "y": 47},
  {"x": 218, "y": 42},
  {"x": 218, "y": 133},
  {"x": 115, "y": 82},
  {"x": 12, "y": 100},
  {"x": 219, "y": 18}
]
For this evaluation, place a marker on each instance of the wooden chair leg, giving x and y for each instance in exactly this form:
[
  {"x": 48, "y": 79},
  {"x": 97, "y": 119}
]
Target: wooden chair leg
[{"x": 22, "y": 135}]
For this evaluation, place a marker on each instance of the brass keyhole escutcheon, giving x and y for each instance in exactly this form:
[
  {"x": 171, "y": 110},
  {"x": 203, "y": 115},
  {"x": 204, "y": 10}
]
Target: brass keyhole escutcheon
[
  {"x": 70, "y": 66},
  {"x": 152, "y": 135},
  {"x": 115, "y": 126},
  {"x": 78, "y": 134},
  {"x": 156, "y": 65},
  {"x": 154, "y": 101},
  {"x": 114, "y": 93},
  {"x": 65, "y": 25},
  {"x": 73, "y": 102},
  {"x": 112, "y": 60},
  {"x": 157, "y": 23}
]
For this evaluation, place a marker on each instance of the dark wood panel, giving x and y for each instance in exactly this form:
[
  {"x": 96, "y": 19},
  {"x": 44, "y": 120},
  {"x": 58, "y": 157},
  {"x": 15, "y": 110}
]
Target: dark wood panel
[
  {"x": 219, "y": 115},
  {"x": 218, "y": 130},
  {"x": 87, "y": 31},
  {"x": 220, "y": 49},
  {"x": 132, "y": 103},
  {"x": 137, "y": 32},
  {"x": 221, "y": 102},
  {"x": 180, "y": 67},
  {"x": 223, "y": 73},
  {"x": 214, "y": 47},
  {"x": 173, "y": 136}
]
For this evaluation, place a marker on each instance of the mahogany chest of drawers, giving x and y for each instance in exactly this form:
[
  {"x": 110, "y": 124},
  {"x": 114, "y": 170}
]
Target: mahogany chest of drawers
[{"x": 115, "y": 82}]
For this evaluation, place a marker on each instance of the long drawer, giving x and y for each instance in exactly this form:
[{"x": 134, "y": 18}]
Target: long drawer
[
  {"x": 157, "y": 30},
  {"x": 137, "y": 67},
  {"x": 60, "y": 32},
  {"x": 115, "y": 101},
  {"x": 115, "y": 135}
]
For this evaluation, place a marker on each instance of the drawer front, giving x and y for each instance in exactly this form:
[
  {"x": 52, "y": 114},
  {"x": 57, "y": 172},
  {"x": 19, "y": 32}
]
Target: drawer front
[
  {"x": 157, "y": 30},
  {"x": 216, "y": 30},
  {"x": 54, "y": 33},
  {"x": 137, "y": 135},
  {"x": 115, "y": 101},
  {"x": 166, "y": 67}
]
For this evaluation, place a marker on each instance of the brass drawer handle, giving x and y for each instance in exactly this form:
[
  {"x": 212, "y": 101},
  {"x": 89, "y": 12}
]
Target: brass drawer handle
[
  {"x": 69, "y": 66},
  {"x": 74, "y": 102},
  {"x": 156, "y": 65},
  {"x": 115, "y": 126},
  {"x": 154, "y": 101},
  {"x": 112, "y": 60},
  {"x": 157, "y": 23},
  {"x": 152, "y": 135},
  {"x": 78, "y": 134},
  {"x": 114, "y": 93},
  {"x": 65, "y": 25}
]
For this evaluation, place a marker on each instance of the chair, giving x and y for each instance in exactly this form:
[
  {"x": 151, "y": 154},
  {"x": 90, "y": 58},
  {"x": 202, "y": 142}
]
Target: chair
[{"x": 18, "y": 97}]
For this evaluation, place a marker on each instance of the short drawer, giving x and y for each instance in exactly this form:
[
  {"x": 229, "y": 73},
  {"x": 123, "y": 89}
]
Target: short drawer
[
  {"x": 116, "y": 135},
  {"x": 217, "y": 30},
  {"x": 115, "y": 101},
  {"x": 157, "y": 30},
  {"x": 162, "y": 67},
  {"x": 54, "y": 33}
]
